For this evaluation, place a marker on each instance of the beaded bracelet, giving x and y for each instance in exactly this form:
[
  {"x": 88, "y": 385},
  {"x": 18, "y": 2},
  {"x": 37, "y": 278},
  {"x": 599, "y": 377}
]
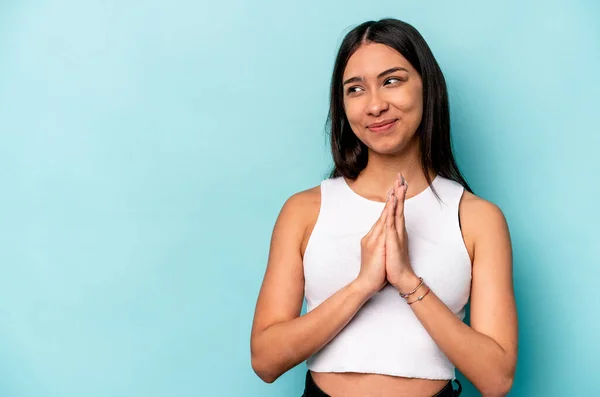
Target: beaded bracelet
[
  {"x": 420, "y": 297},
  {"x": 414, "y": 290}
]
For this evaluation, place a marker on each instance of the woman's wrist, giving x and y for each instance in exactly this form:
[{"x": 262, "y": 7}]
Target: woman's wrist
[
  {"x": 362, "y": 288},
  {"x": 407, "y": 283}
]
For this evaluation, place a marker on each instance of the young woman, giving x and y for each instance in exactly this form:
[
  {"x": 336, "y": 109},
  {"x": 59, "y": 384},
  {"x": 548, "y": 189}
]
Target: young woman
[{"x": 388, "y": 250}]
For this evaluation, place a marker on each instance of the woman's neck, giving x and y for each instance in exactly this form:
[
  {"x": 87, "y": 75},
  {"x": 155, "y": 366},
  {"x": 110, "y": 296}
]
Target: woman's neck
[{"x": 382, "y": 169}]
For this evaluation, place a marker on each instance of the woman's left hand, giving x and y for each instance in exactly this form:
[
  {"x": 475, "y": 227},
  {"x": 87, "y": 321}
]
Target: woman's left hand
[{"x": 399, "y": 271}]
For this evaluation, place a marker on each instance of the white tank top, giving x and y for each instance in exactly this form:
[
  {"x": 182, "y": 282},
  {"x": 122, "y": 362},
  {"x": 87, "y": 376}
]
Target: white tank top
[{"x": 385, "y": 336}]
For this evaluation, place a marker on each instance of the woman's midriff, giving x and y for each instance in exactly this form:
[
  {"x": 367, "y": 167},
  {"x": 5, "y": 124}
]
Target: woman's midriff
[{"x": 351, "y": 384}]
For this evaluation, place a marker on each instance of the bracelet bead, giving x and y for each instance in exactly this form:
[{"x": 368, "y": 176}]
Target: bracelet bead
[{"x": 420, "y": 297}]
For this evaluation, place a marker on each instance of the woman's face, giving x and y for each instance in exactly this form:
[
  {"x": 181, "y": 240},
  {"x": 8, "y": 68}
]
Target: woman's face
[{"x": 383, "y": 98}]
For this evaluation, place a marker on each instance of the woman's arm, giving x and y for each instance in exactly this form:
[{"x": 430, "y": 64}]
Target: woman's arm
[
  {"x": 281, "y": 338},
  {"x": 485, "y": 352}
]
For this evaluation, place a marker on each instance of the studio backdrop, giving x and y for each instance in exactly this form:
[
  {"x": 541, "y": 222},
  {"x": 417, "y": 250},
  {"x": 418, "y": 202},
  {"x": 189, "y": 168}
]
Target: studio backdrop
[{"x": 146, "y": 148}]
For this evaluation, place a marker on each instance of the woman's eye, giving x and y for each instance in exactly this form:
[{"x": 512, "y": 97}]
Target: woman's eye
[
  {"x": 353, "y": 90},
  {"x": 393, "y": 80}
]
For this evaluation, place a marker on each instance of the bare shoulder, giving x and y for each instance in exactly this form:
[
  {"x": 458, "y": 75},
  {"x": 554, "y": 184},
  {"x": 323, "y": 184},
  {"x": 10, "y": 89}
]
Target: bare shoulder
[
  {"x": 304, "y": 206},
  {"x": 477, "y": 210},
  {"x": 481, "y": 221},
  {"x": 305, "y": 200}
]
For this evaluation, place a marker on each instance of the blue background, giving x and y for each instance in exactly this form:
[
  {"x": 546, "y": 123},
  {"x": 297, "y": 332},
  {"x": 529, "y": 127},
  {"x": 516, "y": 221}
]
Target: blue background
[{"x": 148, "y": 146}]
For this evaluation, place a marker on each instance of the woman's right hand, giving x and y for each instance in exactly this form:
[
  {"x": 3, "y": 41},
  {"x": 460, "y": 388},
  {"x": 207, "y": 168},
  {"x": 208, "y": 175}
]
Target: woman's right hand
[{"x": 372, "y": 275}]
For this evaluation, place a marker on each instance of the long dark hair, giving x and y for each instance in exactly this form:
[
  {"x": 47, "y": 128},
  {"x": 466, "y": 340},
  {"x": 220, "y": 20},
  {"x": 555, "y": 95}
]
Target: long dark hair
[{"x": 350, "y": 155}]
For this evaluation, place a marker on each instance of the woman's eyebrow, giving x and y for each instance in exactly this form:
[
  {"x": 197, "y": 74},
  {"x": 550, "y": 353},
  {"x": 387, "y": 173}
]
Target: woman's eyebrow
[{"x": 380, "y": 75}]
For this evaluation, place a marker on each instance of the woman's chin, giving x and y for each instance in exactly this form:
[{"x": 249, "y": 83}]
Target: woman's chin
[{"x": 390, "y": 147}]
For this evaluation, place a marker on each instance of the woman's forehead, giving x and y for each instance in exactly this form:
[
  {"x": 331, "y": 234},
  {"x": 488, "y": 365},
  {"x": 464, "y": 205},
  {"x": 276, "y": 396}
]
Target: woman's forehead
[{"x": 371, "y": 59}]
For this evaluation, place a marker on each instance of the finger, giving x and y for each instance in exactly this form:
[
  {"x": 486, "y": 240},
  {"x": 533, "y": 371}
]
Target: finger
[
  {"x": 380, "y": 219},
  {"x": 390, "y": 222},
  {"x": 382, "y": 237},
  {"x": 399, "y": 213},
  {"x": 401, "y": 187},
  {"x": 405, "y": 183},
  {"x": 385, "y": 214},
  {"x": 398, "y": 183},
  {"x": 400, "y": 224}
]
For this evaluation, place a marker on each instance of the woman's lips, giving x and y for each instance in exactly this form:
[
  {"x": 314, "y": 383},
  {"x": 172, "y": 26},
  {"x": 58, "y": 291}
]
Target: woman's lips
[{"x": 384, "y": 127}]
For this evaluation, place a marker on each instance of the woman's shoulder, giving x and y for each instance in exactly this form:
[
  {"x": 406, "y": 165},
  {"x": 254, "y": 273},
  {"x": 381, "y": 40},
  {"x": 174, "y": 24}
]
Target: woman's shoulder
[
  {"x": 300, "y": 212},
  {"x": 474, "y": 205},
  {"x": 305, "y": 200},
  {"x": 302, "y": 207},
  {"x": 479, "y": 208},
  {"x": 481, "y": 218}
]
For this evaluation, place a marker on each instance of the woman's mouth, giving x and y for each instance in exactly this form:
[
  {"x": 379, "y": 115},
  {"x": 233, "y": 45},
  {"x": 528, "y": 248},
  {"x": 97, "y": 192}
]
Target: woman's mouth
[{"x": 383, "y": 126}]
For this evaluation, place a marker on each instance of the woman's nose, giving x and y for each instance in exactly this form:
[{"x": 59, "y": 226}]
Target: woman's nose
[{"x": 377, "y": 105}]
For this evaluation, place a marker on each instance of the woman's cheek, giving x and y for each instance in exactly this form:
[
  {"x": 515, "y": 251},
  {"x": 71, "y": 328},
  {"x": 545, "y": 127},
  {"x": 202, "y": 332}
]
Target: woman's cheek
[{"x": 353, "y": 111}]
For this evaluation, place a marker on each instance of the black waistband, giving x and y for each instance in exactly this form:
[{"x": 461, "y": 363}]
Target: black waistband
[{"x": 312, "y": 390}]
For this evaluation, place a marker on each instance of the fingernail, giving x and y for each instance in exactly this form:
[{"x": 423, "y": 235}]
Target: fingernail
[{"x": 389, "y": 194}]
